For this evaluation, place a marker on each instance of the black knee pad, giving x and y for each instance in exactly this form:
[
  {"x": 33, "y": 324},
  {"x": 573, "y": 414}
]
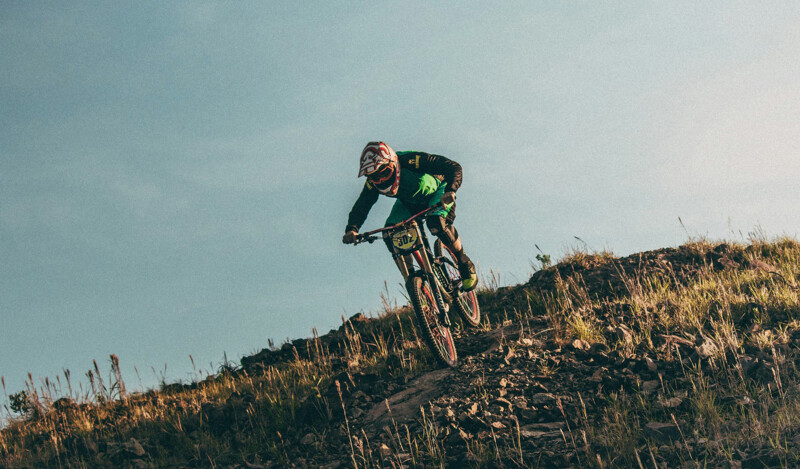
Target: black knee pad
[{"x": 439, "y": 227}]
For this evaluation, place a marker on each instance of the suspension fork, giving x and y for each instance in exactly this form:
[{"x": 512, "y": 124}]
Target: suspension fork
[{"x": 405, "y": 264}]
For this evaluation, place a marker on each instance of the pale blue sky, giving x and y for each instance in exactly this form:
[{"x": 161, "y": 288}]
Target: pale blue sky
[{"x": 175, "y": 177}]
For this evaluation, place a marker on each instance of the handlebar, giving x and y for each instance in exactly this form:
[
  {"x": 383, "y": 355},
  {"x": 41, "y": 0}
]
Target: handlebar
[{"x": 370, "y": 237}]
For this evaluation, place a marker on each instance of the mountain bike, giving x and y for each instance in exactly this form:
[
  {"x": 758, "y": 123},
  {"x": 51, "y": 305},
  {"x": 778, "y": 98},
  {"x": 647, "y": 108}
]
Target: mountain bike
[{"x": 433, "y": 283}]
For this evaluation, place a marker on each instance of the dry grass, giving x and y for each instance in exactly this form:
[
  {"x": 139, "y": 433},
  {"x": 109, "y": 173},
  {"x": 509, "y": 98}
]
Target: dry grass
[{"x": 732, "y": 311}]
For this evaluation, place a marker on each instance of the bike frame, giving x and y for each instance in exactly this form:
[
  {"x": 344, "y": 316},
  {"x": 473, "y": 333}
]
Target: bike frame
[
  {"x": 433, "y": 285},
  {"x": 402, "y": 259},
  {"x": 421, "y": 253},
  {"x": 369, "y": 236}
]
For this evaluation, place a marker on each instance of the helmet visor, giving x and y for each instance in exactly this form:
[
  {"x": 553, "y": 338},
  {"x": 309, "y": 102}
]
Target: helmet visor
[{"x": 381, "y": 175}]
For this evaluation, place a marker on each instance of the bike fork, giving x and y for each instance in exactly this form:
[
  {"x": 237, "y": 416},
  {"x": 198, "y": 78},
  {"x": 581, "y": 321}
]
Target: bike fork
[{"x": 405, "y": 264}]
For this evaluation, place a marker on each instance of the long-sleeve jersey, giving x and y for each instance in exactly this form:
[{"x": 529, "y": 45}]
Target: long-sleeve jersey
[{"x": 421, "y": 174}]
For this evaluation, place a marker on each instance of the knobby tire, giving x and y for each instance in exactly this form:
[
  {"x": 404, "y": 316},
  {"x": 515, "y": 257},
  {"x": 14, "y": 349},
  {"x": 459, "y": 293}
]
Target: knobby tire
[{"x": 438, "y": 337}]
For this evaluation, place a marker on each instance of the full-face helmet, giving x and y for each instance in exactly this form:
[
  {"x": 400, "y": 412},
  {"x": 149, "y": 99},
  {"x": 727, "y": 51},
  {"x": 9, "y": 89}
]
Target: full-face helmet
[{"x": 380, "y": 165}]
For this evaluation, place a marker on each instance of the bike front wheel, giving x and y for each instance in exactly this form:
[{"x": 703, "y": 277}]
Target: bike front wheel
[
  {"x": 436, "y": 334},
  {"x": 466, "y": 303}
]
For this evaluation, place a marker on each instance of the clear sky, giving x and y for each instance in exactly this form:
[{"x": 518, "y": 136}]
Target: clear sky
[{"x": 175, "y": 177}]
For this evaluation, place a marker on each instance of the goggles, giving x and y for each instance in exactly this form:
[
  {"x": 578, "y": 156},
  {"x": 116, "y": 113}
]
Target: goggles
[{"x": 381, "y": 175}]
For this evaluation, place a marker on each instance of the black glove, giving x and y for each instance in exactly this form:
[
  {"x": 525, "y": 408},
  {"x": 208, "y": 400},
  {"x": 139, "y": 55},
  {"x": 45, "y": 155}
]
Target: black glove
[
  {"x": 350, "y": 237},
  {"x": 448, "y": 198}
]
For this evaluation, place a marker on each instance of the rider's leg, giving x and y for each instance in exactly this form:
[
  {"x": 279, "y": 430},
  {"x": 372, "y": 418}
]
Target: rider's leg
[
  {"x": 440, "y": 223},
  {"x": 442, "y": 227}
]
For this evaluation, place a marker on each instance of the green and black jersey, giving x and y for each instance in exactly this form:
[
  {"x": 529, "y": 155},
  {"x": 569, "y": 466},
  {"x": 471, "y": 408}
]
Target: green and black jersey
[{"x": 421, "y": 175}]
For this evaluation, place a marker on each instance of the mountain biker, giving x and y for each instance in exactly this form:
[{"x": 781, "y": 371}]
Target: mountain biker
[{"x": 417, "y": 180}]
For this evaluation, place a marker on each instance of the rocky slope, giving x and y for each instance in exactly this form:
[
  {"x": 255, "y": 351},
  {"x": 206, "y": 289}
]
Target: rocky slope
[
  {"x": 681, "y": 357},
  {"x": 528, "y": 395}
]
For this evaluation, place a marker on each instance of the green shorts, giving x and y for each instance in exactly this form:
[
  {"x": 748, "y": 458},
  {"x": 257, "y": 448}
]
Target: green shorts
[{"x": 401, "y": 211}]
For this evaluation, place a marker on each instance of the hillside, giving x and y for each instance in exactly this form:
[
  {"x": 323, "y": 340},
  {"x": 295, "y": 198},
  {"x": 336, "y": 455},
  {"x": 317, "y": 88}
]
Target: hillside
[{"x": 679, "y": 357}]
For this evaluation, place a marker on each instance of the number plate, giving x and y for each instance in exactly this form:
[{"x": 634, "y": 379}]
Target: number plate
[{"x": 405, "y": 239}]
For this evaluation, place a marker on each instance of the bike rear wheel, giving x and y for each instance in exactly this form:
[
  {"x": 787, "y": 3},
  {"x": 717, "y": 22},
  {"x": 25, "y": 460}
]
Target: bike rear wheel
[
  {"x": 437, "y": 335},
  {"x": 466, "y": 303}
]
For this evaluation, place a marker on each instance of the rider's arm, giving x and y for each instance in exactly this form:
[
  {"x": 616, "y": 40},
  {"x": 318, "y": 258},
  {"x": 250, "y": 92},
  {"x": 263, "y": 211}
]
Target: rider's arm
[
  {"x": 365, "y": 201},
  {"x": 435, "y": 165}
]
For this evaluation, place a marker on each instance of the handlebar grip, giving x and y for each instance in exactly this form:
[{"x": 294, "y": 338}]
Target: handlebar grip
[{"x": 363, "y": 238}]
